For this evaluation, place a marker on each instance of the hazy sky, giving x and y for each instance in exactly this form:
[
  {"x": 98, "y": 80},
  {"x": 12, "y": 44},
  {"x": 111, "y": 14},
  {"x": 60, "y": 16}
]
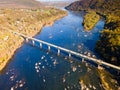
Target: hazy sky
[{"x": 54, "y": 0}]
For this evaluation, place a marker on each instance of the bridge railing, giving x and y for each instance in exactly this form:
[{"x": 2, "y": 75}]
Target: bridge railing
[{"x": 98, "y": 61}]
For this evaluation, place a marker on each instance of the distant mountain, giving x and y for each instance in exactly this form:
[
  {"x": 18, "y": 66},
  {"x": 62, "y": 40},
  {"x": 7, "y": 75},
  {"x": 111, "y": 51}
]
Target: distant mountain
[
  {"x": 19, "y": 3},
  {"x": 56, "y": 3},
  {"x": 101, "y": 5},
  {"x": 33, "y": 3}
]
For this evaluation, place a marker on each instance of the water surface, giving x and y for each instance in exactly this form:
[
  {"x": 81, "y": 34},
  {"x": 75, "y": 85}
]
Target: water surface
[{"x": 32, "y": 68}]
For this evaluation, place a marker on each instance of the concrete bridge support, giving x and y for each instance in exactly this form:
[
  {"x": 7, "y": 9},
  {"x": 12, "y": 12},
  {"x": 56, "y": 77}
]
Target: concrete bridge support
[
  {"x": 33, "y": 42},
  {"x": 97, "y": 61},
  {"x": 83, "y": 60},
  {"x": 69, "y": 55},
  {"x": 40, "y": 45},
  {"x": 48, "y": 48},
  {"x": 100, "y": 67},
  {"x": 58, "y": 53},
  {"x": 26, "y": 39}
]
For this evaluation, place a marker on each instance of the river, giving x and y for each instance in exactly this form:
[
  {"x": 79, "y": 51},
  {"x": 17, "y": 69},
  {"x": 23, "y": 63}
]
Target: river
[{"x": 32, "y": 68}]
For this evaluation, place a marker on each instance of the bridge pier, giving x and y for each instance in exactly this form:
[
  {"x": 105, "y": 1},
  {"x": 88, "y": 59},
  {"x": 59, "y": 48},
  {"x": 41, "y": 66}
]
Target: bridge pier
[
  {"x": 83, "y": 60},
  {"x": 26, "y": 39},
  {"x": 84, "y": 57},
  {"x": 100, "y": 67},
  {"x": 58, "y": 52},
  {"x": 48, "y": 48},
  {"x": 40, "y": 45},
  {"x": 69, "y": 55},
  {"x": 33, "y": 42}
]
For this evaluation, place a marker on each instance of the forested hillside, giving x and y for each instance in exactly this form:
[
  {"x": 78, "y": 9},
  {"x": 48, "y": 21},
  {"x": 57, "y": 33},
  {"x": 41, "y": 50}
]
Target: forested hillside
[
  {"x": 109, "y": 44},
  {"x": 26, "y": 21}
]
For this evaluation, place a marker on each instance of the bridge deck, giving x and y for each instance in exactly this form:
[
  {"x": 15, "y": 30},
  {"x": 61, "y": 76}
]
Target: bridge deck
[{"x": 98, "y": 61}]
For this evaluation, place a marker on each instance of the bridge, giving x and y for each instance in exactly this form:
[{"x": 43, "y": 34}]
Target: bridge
[{"x": 70, "y": 52}]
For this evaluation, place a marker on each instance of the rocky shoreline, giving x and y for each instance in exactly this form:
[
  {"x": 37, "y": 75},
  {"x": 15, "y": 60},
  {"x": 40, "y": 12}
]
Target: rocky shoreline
[{"x": 26, "y": 21}]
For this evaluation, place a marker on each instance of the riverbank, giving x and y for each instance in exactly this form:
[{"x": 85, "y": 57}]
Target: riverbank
[
  {"x": 26, "y": 21},
  {"x": 109, "y": 44},
  {"x": 107, "y": 81}
]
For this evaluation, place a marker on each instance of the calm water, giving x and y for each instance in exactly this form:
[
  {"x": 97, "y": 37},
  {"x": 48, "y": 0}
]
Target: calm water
[{"x": 32, "y": 68}]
